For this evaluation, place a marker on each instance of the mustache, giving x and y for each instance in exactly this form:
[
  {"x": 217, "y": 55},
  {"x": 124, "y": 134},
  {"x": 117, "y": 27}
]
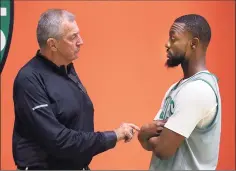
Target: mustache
[{"x": 169, "y": 53}]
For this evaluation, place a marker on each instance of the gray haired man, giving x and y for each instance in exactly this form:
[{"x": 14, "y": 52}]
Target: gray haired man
[{"x": 54, "y": 116}]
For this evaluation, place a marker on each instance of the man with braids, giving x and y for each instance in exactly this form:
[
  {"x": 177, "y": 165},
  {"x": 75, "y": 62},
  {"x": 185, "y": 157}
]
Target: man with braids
[{"x": 185, "y": 133}]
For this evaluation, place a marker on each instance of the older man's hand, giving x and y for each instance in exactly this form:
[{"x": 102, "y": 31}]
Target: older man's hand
[{"x": 126, "y": 131}]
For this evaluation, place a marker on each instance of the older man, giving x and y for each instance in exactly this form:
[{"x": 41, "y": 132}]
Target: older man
[{"x": 54, "y": 126}]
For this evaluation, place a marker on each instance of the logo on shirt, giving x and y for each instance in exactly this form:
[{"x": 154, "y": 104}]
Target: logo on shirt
[
  {"x": 7, "y": 10},
  {"x": 168, "y": 108}
]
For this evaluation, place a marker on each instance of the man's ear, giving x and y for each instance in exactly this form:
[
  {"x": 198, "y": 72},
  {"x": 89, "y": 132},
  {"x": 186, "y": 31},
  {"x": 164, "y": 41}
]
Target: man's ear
[
  {"x": 194, "y": 43},
  {"x": 52, "y": 44}
]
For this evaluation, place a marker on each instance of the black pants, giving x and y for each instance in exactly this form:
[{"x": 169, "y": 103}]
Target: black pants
[{"x": 40, "y": 168}]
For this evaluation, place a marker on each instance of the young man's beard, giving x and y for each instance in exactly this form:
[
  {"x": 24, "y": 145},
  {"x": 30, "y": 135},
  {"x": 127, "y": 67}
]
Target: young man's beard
[{"x": 174, "y": 61}]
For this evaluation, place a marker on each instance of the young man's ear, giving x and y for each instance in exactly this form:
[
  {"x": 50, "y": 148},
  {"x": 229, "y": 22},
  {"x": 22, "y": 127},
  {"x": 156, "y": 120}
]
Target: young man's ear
[{"x": 194, "y": 43}]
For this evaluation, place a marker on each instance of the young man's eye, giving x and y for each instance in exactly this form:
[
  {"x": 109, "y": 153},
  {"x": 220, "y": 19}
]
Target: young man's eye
[{"x": 171, "y": 38}]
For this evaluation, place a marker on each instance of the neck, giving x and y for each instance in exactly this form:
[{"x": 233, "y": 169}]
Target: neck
[
  {"x": 193, "y": 66},
  {"x": 55, "y": 58}
]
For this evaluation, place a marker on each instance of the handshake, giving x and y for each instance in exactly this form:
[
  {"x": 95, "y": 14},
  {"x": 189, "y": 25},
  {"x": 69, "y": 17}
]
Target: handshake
[{"x": 126, "y": 131}]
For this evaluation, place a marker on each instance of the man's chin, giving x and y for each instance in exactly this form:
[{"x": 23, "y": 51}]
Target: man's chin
[
  {"x": 76, "y": 56},
  {"x": 171, "y": 64}
]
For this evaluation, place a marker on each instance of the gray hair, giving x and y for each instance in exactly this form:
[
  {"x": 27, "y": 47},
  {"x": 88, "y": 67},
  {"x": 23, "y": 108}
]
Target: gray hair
[{"x": 49, "y": 25}]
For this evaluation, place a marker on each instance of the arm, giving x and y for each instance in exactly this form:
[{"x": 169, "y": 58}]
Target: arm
[
  {"x": 191, "y": 108},
  {"x": 165, "y": 145},
  {"x": 55, "y": 137},
  {"x": 150, "y": 130},
  {"x": 143, "y": 137}
]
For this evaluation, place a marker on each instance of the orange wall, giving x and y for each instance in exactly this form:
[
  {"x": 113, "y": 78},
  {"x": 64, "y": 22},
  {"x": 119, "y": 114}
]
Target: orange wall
[{"x": 122, "y": 66}]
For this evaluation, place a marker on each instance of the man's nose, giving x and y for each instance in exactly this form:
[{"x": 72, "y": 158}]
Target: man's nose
[
  {"x": 167, "y": 44},
  {"x": 80, "y": 41}
]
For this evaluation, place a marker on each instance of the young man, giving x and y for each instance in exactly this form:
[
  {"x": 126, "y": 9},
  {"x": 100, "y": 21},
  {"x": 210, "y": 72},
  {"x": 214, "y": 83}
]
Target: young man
[{"x": 185, "y": 134}]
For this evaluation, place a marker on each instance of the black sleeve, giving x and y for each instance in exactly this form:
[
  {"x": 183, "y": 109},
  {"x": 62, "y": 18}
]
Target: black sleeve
[{"x": 33, "y": 108}]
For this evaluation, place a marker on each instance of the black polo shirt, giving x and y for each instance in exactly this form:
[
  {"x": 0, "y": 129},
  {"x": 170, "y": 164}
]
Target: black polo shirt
[{"x": 54, "y": 126}]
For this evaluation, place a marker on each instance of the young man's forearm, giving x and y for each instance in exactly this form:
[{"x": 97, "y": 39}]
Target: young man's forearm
[{"x": 144, "y": 136}]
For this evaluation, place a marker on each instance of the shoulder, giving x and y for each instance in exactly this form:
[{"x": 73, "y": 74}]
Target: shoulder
[
  {"x": 198, "y": 92},
  {"x": 197, "y": 87},
  {"x": 26, "y": 74}
]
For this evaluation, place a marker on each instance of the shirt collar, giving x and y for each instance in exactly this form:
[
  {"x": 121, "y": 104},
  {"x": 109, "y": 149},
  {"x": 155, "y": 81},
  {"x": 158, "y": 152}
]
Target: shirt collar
[{"x": 60, "y": 69}]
